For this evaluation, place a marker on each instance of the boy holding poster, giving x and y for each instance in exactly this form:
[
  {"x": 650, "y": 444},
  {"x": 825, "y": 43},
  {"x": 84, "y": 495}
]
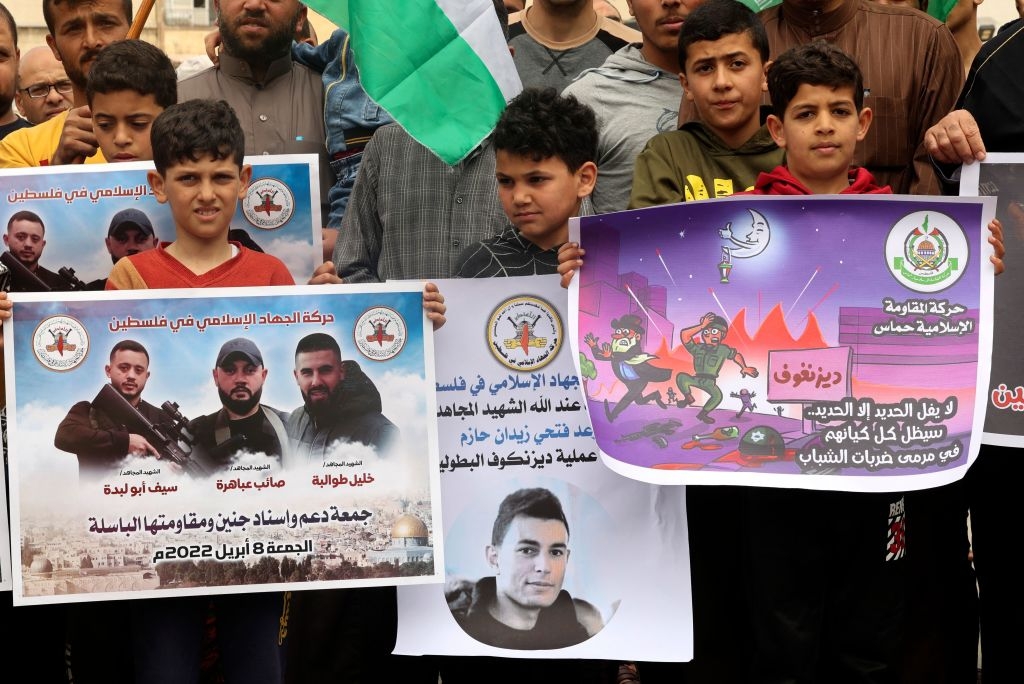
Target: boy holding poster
[{"x": 850, "y": 627}]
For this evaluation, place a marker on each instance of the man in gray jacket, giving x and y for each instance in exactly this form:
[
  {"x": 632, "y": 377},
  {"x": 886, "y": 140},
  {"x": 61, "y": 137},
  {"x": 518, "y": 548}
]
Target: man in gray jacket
[{"x": 635, "y": 94}]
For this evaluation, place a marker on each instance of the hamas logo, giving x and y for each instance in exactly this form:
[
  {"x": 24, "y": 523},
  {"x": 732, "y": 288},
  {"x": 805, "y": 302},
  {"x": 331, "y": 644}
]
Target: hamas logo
[
  {"x": 60, "y": 343},
  {"x": 268, "y": 204},
  {"x": 926, "y": 251},
  {"x": 524, "y": 333}
]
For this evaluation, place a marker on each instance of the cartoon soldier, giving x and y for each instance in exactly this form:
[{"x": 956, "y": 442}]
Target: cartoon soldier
[
  {"x": 708, "y": 356},
  {"x": 630, "y": 364}
]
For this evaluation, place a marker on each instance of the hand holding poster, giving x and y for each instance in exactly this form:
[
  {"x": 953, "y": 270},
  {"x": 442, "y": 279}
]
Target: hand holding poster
[
  {"x": 808, "y": 342},
  {"x": 220, "y": 441}
]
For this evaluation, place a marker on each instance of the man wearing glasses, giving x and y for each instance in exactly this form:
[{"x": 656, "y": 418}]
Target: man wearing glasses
[{"x": 44, "y": 90}]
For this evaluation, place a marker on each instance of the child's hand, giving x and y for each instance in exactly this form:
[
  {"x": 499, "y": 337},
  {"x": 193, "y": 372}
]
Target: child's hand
[
  {"x": 325, "y": 275},
  {"x": 5, "y": 307},
  {"x": 570, "y": 259},
  {"x": 433, "y": 304},
  {"x": 996, "y": 240}
]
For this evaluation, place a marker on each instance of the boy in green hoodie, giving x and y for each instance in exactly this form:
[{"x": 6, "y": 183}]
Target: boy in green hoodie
[{"x": 723, "y": 53}]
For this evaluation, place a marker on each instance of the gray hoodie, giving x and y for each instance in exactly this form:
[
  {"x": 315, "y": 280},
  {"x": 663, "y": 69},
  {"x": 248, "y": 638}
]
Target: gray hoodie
[{"x": 634, "y": 100}]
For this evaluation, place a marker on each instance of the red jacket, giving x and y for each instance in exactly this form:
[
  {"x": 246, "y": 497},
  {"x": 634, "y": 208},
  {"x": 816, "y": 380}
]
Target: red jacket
[{"x": 779, "y": 181}]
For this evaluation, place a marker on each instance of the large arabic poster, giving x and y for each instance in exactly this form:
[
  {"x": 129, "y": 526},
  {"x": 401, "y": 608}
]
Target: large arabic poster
[
  {"x": 333, "y": 483},
  {"x": 514, "y": 436},
  {"x": 814, "y": 342},
  {"x": 1001, "y": 176},
  {"x": 92, "y": 215}
]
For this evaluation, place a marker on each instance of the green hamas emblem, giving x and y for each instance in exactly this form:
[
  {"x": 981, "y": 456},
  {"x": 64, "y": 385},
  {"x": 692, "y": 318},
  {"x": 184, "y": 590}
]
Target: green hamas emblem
[{"x": 925, "y": 259}]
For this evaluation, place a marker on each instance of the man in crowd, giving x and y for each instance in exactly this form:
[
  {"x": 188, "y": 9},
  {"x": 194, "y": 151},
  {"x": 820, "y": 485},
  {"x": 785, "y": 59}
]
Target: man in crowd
[
  {"x": 44, "y": 89},
  {"x": 25, "y": 239},
  {"x": 340, "y": 403},
  {"x": 523, "y": 606},
  {"x": 279, "y": 102},
  {"x": 9, "y": 121},
  {"x": 243, "y": 424},
  {"x": 554, "y": 40},
  {"x": 98, "y": 440},
  {"x": 77, "y": 31},
  {"x": 635, "y": 94}
]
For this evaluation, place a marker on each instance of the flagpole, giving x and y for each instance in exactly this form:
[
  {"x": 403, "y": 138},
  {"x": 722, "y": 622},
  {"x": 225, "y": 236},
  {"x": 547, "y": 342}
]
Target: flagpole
[{"x": 135, "y": 30}]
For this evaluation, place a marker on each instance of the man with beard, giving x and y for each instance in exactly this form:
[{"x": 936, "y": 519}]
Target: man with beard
[
  {"x": 9, "y": 55},
  {"x": 77, "y": 31},
  {"x": 341, "y": 404},
  {"x": 25, "y": 239},
  {"x": 279, "y": 103},
  {"x": 97, "y": 440},
  {"x": 243, "y": 424}
]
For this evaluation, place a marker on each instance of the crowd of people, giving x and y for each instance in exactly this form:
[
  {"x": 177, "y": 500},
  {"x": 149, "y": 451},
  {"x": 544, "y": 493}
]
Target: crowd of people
[{"x": 704, "y": 99}]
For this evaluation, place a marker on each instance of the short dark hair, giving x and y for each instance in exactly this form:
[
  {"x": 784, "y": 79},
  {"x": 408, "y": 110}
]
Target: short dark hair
[
  {"x": 535, "y": 502},
  {"x": 25, "y": 215},
  {"x": 499, "y": 7},
  {"x": 133, "y": 65},
  {"x": 191, "y": 129},
  {"x": 6, "y": 16},
  {"x": 48, "y": 5},
  {"x": 717, "y": 18},
  {"x": 539, "y": 123},
  {"x": 317, "y": 342},
  {"x": 818, "y": 63},
  {"x": 129, "y": 345}
]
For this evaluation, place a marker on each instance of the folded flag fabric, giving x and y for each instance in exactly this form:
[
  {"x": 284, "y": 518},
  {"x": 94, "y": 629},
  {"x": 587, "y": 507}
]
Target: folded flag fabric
[{"x": 440, "y": 68}]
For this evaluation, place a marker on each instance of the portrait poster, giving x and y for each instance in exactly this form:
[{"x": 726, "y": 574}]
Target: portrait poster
[
  {"x": 82, "y": 208},
  {"x": 341, "y": 495},
  {"x": 512, "y": 427},
  {"x": 1001, "y": 176},
  {"x": 813, "y": 342}
]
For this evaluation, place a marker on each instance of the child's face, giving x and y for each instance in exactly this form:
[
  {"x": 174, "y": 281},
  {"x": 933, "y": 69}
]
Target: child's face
[
  {"x": 540, "y": 197},
  {"x": 724, "y": 79},
  {"x": 820, "y": 130},
  {"x": 121, "y": 121},
  {"x": 202, "y": 195}
]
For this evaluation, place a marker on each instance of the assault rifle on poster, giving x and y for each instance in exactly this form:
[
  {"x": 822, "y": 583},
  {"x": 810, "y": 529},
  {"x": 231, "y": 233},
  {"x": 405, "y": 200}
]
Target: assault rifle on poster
[
  {"x": 24, "y": 280},
  {"x": 171, "y": 439}
]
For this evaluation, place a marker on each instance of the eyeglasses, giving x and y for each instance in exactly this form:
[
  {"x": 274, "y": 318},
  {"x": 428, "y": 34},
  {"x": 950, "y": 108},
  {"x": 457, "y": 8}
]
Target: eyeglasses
[{"x": 43, "y": 89}]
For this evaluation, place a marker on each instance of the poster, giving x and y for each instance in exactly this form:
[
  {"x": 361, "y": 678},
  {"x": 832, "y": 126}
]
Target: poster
[
  {"x": 5, "y": 528},
  {"x": 814, "y": 342},
  {"x": 82, "y": 209},
  {"x": 1001, "y": 176},
  {"x": 341, "y": 495},
  {"x": 608, "y": 576}
]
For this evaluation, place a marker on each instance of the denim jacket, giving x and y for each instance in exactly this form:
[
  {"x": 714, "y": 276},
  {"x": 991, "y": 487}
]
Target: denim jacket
[{"x": 346, "y": 107}]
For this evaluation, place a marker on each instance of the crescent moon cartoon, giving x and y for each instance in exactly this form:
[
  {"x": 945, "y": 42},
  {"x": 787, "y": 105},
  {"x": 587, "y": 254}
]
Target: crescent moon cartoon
[{"x": 749, "y": 243}]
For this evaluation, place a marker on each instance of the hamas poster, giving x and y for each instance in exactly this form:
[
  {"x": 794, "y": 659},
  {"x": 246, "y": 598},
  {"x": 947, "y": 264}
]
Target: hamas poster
[
  {"x": 1001, "y": 177},
  {"x": 66, "y": 226},
  {"x": 541, "y": 539},
  {"x": 182, "y": 442},
  {"x": 813, "y": 342}
]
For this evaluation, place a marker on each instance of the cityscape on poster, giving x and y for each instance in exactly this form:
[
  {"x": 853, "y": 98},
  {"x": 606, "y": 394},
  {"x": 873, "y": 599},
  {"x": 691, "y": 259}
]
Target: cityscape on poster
[
  {"x": 826, "y": 343},
  {"x": 334, "y": 483},
  {"x": 89, "y": 216}
]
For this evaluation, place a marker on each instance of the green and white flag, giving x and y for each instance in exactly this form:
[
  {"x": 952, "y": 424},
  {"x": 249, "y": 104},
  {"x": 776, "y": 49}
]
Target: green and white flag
[{"x": 440, "y": 68}]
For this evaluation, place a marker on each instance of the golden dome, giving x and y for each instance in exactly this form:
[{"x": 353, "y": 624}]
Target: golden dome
[{"x": 408, "y": 526}]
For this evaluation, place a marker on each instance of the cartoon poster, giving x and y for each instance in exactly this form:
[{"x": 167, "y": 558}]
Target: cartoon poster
[
  {"x": 67, "y": 225},
  {"x": 537, "y": 530},
  {"x": 180, "y": 442},
  {"x": 814, "y": 342},
  {"x": 1001, "y": 176}
]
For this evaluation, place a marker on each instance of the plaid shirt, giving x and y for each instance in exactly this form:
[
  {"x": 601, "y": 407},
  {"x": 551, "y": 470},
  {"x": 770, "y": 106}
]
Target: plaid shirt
[{"x": 411, "y": 215}]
